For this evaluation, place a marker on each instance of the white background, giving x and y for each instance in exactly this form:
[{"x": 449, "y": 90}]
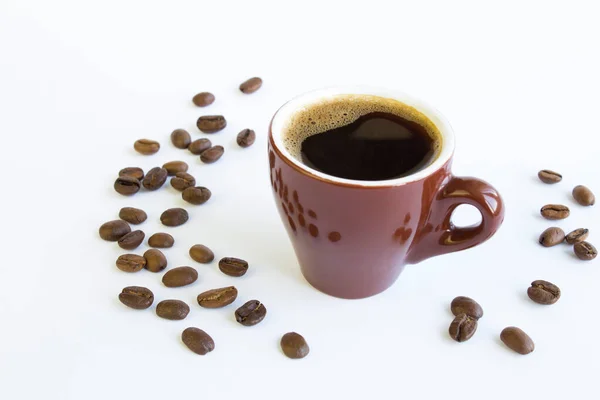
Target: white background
[{"x": 80, "y": 81}]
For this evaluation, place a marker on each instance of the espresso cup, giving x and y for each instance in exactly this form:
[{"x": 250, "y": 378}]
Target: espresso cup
[{"x": 353, "y": 238}]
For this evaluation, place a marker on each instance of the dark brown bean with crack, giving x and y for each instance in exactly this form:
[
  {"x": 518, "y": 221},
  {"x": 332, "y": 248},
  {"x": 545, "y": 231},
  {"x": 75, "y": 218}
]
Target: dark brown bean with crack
[
  {"x": 155, "y": 260},
  {"x": 126, "y": 185},
  {"x": 517, "y": 340},
  {"x": 251, "y": 313},
  {"x": 211, "y": 123},
  {"x": 549, "y": 177},
  {"x": 181, "y": 138},
  {"x": 233, "y": 266},
  {"x": 136, "y": 297},
  {"x": 246, "y": 138},
  {"x": 543, "y": 292},
  {"x": 161, "y": 240},
  {"x": 182, "y": 181},
  {"x": 174, "y": 310},
  {"x": 217, "y": 298},
  {"x": 146, "y": 146},
  {"x": 133, "y": 215},
  {"x": 585, "y": 251},
  {"x": 294, "y": 345},
  {"x": 555, "y": 211},
  {"x": 212, "y": 155},
  {"x": 466, "y": 305},
  {"x": 584, "y": 196},
  {"x": 180, "y": 276},
  {"x": 131, "y": 262},
  {"x": 251, "y": 85},
  {"x": 174, "y": 217},
  {"x": 462, "y": 328},
  {"x": 552, "y": 236},
  {"x": 198, "y": 341},
  {"x": 196, "y": 195},
  {"x": 155, "y": 178},
  {"x": 131, "y": 240},
  {"x": 203, "y": 99},
  {"x": 201, "y": 254},
  {"x": 198, "y": 146},
  {"x": 576, "y": 236},
  {"x": 133, "y": 172},
  {"x": 114, "y": 230}
]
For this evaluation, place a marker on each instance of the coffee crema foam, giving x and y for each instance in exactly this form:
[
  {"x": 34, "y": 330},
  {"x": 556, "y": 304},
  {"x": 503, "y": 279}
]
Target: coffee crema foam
[{"x": 342, "y": 110}]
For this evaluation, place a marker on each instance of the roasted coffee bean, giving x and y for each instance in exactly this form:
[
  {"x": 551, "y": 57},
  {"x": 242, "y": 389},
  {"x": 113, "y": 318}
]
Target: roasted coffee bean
[
  {"x": 136, "y": 297},
  {"x": 201, "y": 254},
  {"x": 132, "y": 240},
  {"x": 584, "y": 196},
  {"x": 555, "y": 211},
  {"x": 155, "y": 260},
  {"x": 198, "y": 341},
  {"x": 217, "y": 298},
  {"x": 585, "y": 251},
  {"x": 199, "y": 145},
  {"x": 211, "y": 155},
  {"x": 161, "y": 240},
  {"x": 203, "y": 99},
  {"x": 127, "y": 185},
  {"x": 130, "y": 262},
  {"x": 294, "y": 346},
  {"x": 462, "y": 328},
  {"x": 233, "y": 266},
  {"x": 133, "y": 215},
  {"x": 552, "y": 236},
  {"x": 466, "y": 305},
  {"x": 251, "y": 313},
  {"x": 180, "y": 276},
  {"x": 246, "y": 138},
  {"x": 114, "y": 230},
  {"x": 174, "y": 217},
  {"x": 196, "y": 195},
  {"x": 155, "y": 178},
  {"x": 173, "y": 167},
  {"x": 211, "y": 123},
  {"x": 181, "y": 138},
  {"x": 182, "y": 181},
  {"x": 549, "y": 177},
  {"x": 517, "y": 340},
  {"x": 174, "y": 310},
  {"x": 133, "y": 172},
  {"x": 251, "y": 85},
  {"x": 543, "y": 292},
  {"x": 576, "y": 236},
  {"x": 146, "y": 146}
]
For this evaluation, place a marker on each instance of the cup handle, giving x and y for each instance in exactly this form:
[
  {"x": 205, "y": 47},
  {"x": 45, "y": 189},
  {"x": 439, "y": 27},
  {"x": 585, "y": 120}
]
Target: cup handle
[{"x": 439, "y": 235}]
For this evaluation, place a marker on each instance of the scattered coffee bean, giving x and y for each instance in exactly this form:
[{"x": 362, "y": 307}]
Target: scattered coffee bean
[
  {"x": 203, "y": 99},
  {"x": 462, "y": 328},
  {"x": 181, "y": 138},
  {"x": 133, "y": 215},
  {"x": 196, "y": 195},
  {"x": 127, "y": 185},
  {"x": 466, "y": 305},
  {"x": 555, "y": 211},
  {"x": 211, "y": 123},
  {"x": 233, "y": 266},
  {"x": 294, "y": 345},
  {"x": 578, "y": 235},
  {"x": 517, "y": 340},
  {"x": 131, "y": 240},
  {"x": 198, "y": 341},
  {"x": 146, "y": 146},
  {"x": 174, "y": 217},
  {"x": 173, "y": 167},
  {"x": 217, "y": 298},
  {"x": 114, "y": 230},
  {"x": 136, "y": 297},
  {"x": 155, "y": 260},
  {"x": 161, "y": 240},
  {"x": 174, "y": 310},
  {"x": 182, "y": 181},
  {"x": 211, "y": 155},
  {"x": 584, "y": 196},
  {"x": 130, "y": 262},
  {"x": 180, "y": 276},
  {"x": 133, "y": 172},
  {"x": 201, "y": 254},
  {"x": 155, "y": 178},
  {"x": 549, "y": 177},
  {"x": 251, "y": 313},
  {"x": 246, "y": 138},
  {"x": 585, "y": 251},
  {"x": 251, "y": 85},
  {"x": 198, "y": 146},
  {"x": 552, "y": 236},
  {"x": 543, "y": 292}
]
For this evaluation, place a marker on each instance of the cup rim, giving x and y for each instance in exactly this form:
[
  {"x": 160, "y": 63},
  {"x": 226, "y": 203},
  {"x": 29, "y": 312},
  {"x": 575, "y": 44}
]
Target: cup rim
[{"x": 283, "y": 114}]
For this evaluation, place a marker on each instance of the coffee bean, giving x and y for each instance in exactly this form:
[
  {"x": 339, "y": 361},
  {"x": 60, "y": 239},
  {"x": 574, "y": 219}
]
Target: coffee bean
[
  {"x": 174, "y": 310},
  {"x": 132, "y": 215},
  {"x": 155, "y": 260},
  {"x": 181, "y": 138},
  {"x": 203, "y": 99},
  {"x": 211, "y": 155},
  {"x": 136, "y": 297},
  {"x": 127, "y": 185},
  {"x": 246, "y": 138},
  {"x": 466, "y": 305},
  {"x": 155, "y": 178},
  {"x": 543, "y": 292},
  {"x": 585, "y": 251},
  {"x": 198, "y": 146},
  {"x": 549, "y": 177},
  {"x": 114, "y": 230},
  {"x": 196, "y": 195},
  {"x": 462, "y": 328},
  {"x": 555, "y": 211},
  {"x": 517, "y": 340},
  {"x": 251, "y": 313},
  {"x": 146, "y": 146},
  {"x": 251, "y": 85},
  {"x": 552, "y": 236},
  {"x": 201, "y": 254},
  {"x": 173, "y": 167},
  {"x": 161, "y": 240},
  {"x": 217, "y": 298},
  {"x": 294, "y": 346},
  {"x": 211, "y": 123},
  {"x": 131, "y": 240},
  {"x": 584, "y": 196},
  {"x": 130, "y": 262},
  {"x": 133, "y": 172},
  {"x": 578, "y": 235},
  {"x": 180, "y": 276},
  {"x": 182, "y": 181},
  {"x": 198, "y": 341},
  {"x": 233, "y": 266},
  {"x": 174, "y": 217}
]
